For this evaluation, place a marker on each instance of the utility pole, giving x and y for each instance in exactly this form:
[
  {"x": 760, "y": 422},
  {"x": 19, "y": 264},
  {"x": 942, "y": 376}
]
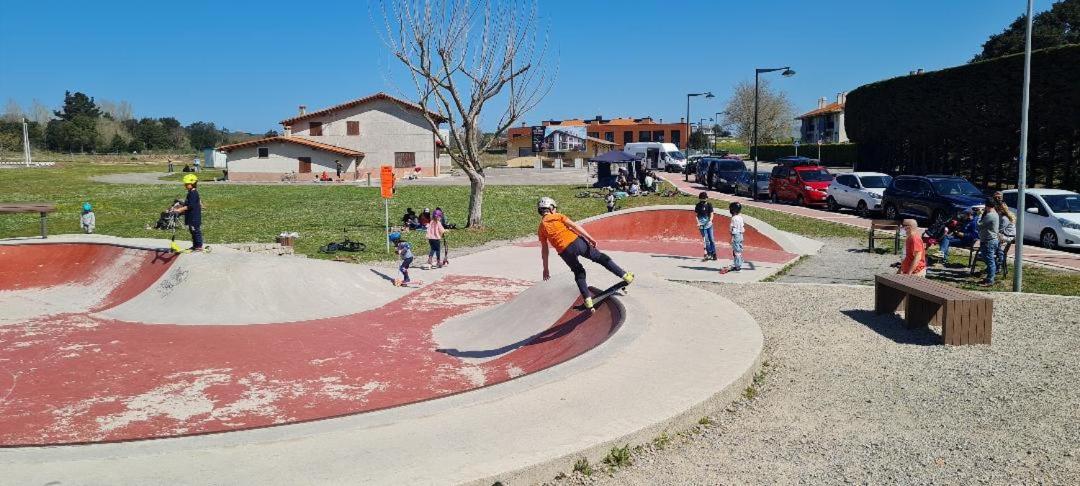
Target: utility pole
[
  {"x": 787, "y": 72},
  {"x": 1021, "y": 182},
  {"x": 27, "y": 159}
]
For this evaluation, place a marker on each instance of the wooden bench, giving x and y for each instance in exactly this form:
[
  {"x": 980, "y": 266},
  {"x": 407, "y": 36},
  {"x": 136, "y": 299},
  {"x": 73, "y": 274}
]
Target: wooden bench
[
  {"x": 41, "y": 208},
  {"x": 964, "y": 317},
  {"x": 885, "y": 225}
]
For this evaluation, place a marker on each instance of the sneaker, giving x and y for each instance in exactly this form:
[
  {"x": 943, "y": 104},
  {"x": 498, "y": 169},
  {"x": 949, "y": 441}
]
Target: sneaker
[
  {"x": 725, "y": 270},
  {"x": 628, "y": 277},
  {"x": 589, "y": 303},
  {"x": 739, "y": 269}
]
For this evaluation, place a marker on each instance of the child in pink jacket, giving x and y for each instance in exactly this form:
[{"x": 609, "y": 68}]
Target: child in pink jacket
[{"x": 435, "y": 232}]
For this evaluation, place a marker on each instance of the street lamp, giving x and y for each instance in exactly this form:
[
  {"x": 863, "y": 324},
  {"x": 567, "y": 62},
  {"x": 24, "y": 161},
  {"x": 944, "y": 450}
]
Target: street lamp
[
  {"x": 707, "y": 94},
  {"x": 787, "y": 72}
]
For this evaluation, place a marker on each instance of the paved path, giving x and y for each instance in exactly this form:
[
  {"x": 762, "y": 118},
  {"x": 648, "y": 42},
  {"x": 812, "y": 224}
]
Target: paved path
[
  {"x": 1033, "y": 254},
  {"x": 500, "y": 176}
]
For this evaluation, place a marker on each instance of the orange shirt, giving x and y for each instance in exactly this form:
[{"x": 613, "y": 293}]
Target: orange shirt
[
  {"x": 913, "y": 245},
  {"x": 553, "y": 228}
]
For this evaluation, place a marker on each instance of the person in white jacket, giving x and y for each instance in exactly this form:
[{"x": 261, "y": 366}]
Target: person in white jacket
[{"x": 87, "y": 221}]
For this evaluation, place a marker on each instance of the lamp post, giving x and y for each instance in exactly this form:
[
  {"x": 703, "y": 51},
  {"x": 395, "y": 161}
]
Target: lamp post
[
  {"x": 787, "y": 72},
  {"x": 707, "y": 94},
  {"x": 1021, "y": 182}
]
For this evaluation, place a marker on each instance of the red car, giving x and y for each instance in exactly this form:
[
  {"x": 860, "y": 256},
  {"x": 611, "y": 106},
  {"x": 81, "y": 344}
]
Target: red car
[{"x": 804, "y": 185}]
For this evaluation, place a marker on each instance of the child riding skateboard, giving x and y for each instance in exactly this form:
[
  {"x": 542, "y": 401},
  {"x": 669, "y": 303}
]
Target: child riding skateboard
[
  {"x": 192, "y": 211},
  {"x": 572, "y": 242}
]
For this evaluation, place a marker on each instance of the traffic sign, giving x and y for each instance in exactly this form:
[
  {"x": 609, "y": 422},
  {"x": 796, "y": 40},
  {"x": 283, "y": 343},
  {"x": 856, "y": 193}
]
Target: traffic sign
[{"x": 387, "y": 178}]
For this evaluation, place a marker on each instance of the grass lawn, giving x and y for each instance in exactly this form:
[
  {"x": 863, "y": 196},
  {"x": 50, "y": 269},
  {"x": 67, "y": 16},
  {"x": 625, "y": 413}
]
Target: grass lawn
[{"x": 319, "y": 213}]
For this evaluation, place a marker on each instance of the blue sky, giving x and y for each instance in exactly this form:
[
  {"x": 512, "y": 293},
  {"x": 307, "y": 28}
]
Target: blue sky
[{"x": 246, "y": 65}]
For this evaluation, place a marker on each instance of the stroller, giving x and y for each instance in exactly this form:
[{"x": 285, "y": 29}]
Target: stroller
[{"x": 169, "y": 219}]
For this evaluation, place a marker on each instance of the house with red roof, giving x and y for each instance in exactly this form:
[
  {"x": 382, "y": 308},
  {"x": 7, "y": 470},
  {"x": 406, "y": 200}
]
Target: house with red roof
[
  {"x": 825, "y": 123},
  {"x": 359, "y": 136}
]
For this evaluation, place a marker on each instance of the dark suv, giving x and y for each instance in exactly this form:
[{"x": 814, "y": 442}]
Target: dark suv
[
  {"x": 719, "y": 174},
  {"x": 931, "y": 198}
]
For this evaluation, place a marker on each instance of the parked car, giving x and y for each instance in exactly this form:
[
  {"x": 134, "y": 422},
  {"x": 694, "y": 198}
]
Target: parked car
[
  {"x": 932, "y": 198},
  {"x": 745, "y": 181},
  {"x": 1052, "y": 216},
  {"x": 658, "y": 155},
  {"x": 860, "y": 191},
  {"x": 719, "y": 174},
  {"x": 793, "y": 161},
  {"x": 803, "y": 184}
]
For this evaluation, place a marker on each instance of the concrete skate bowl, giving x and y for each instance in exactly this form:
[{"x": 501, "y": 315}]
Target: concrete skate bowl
[
  {"x": 79, "y": 376},
  {"x": 672, "y": 230}
]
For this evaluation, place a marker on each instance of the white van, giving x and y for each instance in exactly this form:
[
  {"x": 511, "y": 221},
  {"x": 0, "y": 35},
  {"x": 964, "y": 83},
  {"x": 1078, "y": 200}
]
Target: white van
[{"x": 658, "y": 156}]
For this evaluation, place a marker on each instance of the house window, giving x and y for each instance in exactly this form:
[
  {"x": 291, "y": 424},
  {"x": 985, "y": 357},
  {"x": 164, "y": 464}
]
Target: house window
[
  {"x": 609, "y": 136},
  {"x": 627, "y": 137},
  {"x": 352, "y": 128},
  {"x": 676, "y": 137},
  {"x": 264, "y": 152},
  {"x": 594, "y": 134},
  {"x": 644, "y": 136},
  {"x": 658, "y": 136},
  {"x": 315, "y": 129},
  {"x": 404, "y": 160}
]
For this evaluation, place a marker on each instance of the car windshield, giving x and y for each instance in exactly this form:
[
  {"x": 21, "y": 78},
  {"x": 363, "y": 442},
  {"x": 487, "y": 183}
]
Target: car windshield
[
  {"x": 730, "y": 166},
  {"x": 677, "y": 155},
  {"x": 1063, "y": 203},
  {"x": 955, "y": 187},
  {"x": 761, "y": 176},
  {"x": 875, "y": 182},
  {"x": 815, "y": 175}
]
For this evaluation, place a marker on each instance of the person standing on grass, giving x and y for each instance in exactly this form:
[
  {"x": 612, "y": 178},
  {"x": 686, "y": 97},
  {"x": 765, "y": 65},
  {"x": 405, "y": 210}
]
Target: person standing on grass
[
  {"x": 738, "y": 228},
  {"x": 88, "y": 221},
  {"x": 435, "y": 231},
  {"x": 609, "y": 199},
  {"x": 914, "y": 262},
  {"x": 571, "y": 242},
  {"x": 989, "y": 225},
  {"x": 704, "y": 212},
  {"x": 192, "y": 211}
]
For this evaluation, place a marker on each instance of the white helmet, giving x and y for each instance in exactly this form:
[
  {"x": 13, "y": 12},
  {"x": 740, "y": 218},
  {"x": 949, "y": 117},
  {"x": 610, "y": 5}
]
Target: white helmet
[{"x": 546, "y": 203}]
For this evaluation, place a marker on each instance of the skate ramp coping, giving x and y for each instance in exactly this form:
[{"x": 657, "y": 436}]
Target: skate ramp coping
[{"x": 507, "y": 326}]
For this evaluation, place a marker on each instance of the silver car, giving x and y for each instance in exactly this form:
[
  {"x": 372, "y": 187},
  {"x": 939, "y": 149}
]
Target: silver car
[{"x": 745, "y": 180}]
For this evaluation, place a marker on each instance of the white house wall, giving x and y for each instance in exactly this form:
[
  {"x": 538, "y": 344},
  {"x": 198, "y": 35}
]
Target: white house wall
[
  {"x": 245, "y": 164},
  {"x": 385, "y": 127}
]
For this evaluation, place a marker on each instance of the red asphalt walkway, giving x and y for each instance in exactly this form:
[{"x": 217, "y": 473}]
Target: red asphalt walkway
[{"x": 1033, "y": 254}]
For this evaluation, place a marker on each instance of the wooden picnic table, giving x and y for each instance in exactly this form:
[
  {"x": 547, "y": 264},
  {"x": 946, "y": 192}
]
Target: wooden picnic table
[{"x": 41, "y": 208}]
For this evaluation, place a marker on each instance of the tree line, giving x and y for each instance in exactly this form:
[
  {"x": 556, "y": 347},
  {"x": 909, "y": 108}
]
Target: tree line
[{"x": 84, "y": 125}]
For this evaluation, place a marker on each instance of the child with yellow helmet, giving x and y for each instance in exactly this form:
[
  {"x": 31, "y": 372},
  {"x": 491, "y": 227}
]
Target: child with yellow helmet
[{"x": 192, "y": 211}]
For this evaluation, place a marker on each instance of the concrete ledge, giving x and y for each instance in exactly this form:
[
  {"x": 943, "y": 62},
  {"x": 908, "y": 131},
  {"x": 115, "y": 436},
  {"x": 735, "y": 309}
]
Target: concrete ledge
[{"x": 681, "y": 353}]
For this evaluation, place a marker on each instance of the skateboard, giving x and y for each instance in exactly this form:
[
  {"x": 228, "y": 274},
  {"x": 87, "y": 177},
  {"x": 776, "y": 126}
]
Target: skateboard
[
  {"x": 598, "y": 298},
  {"x": 176, "y": 249},
  {"x": 411, "y": 283}
]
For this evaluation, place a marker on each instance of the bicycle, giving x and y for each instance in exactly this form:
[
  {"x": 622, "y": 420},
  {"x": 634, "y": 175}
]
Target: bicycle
[{"x": 345, "y": 245}]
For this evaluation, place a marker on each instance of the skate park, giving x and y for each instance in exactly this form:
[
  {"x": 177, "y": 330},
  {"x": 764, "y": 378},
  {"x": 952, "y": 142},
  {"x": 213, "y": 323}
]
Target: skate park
[{"x": 291, "y": 370}]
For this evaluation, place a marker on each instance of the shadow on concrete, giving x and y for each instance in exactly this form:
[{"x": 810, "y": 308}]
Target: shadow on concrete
[
  {"x": 548, "y": 334},
  {"x": 893, "y": 327},
  {"x": 383, "y": 275}
]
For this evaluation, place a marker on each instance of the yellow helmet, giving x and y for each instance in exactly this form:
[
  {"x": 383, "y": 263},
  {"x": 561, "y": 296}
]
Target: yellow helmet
[{"x": 190, "y": 179}]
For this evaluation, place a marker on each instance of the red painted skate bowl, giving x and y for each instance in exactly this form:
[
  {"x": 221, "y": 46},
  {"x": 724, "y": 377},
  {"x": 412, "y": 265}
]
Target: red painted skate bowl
[
  {"x": 669, "y": 231},
  {"x": 74, "y": 378}
]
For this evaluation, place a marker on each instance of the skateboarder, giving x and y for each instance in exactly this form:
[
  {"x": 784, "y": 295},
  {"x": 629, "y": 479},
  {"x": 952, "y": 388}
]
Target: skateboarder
[
  {"x": 192, "y": 211},
  {"x": 571, "y": 242},
  {"x": 704, "y": 212},
  {"x": 404, "y": 250}
]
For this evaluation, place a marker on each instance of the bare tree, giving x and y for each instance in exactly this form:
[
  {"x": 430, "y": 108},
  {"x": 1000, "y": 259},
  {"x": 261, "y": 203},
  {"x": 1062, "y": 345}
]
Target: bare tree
[
  {"x": 40, "y": 113},
  {"x": 460, "y": 55},
  {"x": 775, "y": 113},
  {"x": 12, "y": 111}
]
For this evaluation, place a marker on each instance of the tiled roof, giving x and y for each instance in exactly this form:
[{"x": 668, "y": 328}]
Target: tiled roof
[
  {"x": 359, "y": 101},
  {"x": 829, "y": 108},
  {"x": 296, "y": 140}
]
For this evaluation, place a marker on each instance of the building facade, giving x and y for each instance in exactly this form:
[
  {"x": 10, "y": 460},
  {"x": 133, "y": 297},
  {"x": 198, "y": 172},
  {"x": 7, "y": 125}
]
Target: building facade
[
  {"x": 825, "y": 124},
  {"x": 616, "y": 131},
  {"x": 362, "y": 135}
]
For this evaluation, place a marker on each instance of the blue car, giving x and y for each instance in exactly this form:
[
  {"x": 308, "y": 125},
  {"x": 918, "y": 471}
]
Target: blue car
[
  {"x": 930, "y": 198},
  {"x": 719, "y": 174}
]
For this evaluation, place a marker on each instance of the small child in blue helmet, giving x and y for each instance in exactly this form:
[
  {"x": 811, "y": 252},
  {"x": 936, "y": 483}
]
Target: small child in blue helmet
[
  {"x": 404, "y": 250},
  {"x": 87, "y": 221}
]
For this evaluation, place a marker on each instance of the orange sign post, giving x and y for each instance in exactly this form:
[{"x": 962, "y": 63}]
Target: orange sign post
[{"x": 386, "y": 177}]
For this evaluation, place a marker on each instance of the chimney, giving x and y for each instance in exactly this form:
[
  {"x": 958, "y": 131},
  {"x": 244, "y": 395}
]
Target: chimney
[
  {"x": 841, "y": 98},
  {"x": 821, "y": 102},
  {"x": 303, "y": 109}
]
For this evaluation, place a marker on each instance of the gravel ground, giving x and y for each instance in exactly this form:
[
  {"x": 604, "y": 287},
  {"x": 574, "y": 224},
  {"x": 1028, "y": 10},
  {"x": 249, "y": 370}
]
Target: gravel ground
[
  {"x": 842, "y": 261},
  {"x": 848, "y": 396}
]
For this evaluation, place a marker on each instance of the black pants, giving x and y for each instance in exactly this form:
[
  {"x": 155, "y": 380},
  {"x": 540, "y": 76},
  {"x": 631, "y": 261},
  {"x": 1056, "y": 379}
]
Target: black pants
[
  {"x": 196, "y": 236},
  {"x": 579, "y": 248}
]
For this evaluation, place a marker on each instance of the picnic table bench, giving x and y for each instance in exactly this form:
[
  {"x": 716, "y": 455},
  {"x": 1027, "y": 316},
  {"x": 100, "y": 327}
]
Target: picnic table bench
[
  {"x": 964, "y": 317},
  {"x": 885, "y": 225},
  {"x": 41, "y": 208}
]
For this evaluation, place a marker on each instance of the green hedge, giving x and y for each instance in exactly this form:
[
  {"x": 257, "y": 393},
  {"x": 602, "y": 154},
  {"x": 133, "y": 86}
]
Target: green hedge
[
  {"x": 832, "y": 154},
  {"x": 966, "y": 120}
]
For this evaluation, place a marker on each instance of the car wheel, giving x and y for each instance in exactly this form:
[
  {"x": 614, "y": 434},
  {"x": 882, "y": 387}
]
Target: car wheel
[
  {"x": 799, "y": 201},
  {"x": 832, "y": 204},
  {"x": 862, "y": 209},
  {"x": 1048, "y": 239},
  {"x": 891, "y": 212},
  {"x": 773, "y": 198}
]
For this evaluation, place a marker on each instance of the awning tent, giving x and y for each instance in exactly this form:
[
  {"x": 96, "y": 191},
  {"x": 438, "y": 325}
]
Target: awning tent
[{"x": 603, "y": 162}]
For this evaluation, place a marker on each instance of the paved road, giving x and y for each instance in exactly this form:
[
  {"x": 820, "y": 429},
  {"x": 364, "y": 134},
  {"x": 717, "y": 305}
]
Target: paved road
[{"x": 1054, "y": 258}]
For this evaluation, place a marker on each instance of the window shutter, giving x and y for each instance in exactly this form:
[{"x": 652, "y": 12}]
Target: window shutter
[{"x": 352, "y": 128}]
